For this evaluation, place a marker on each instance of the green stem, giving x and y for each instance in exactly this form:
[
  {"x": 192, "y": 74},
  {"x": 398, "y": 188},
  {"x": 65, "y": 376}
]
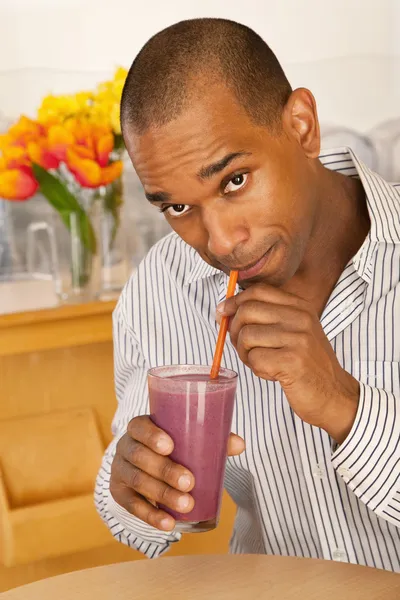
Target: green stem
[
  {"x": 77, "y": 221},
  {"x": 112, "y": 197}
]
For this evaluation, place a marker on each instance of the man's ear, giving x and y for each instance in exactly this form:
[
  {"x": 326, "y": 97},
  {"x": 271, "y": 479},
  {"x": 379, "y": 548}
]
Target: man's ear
[{"x": 300, "y": 120}]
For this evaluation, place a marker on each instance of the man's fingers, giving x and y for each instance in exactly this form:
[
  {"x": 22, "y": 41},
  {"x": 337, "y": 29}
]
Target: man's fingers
[
  {"x": 236, "y": 445},
  {"x": 227, "y": 308},
  {"x": 157, "y": 466},
  {"x": 153, "y": 489},
  {"x": 138, "y": 506},
  {"x": 145, "y": 431},
  {"x": 260, "y": 292},
  {"x": 268, "y": 336},
  {"x": 286, "y": 318}
]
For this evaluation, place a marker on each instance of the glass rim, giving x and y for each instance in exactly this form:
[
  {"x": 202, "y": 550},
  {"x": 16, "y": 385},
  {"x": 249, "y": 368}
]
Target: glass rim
[{"x": 205, "y": 368}]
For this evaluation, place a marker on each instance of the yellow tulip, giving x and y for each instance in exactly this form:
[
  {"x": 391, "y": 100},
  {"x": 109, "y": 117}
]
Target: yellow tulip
[
  {"x": 5, "y": 140},
  {"x": 100, "y": 107},
  {"x": 120, "y": 74},
  {"x": 115, "y": 119},
  {"x": 54, "y": 109}
]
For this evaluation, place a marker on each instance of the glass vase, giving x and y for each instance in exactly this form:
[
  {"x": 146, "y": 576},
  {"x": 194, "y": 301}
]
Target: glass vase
[
  {"x": 71, "y": 246},
  {"x": 113, "y": 248}
]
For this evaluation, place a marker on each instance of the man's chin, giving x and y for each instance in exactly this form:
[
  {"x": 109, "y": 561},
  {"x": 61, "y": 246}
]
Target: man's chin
[
  {"x": 246, "y": 283},
  {"x": 275, "y": 279}
]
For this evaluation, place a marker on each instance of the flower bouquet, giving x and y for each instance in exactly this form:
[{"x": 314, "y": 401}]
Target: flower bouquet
[{"x": 71, "y": 153}]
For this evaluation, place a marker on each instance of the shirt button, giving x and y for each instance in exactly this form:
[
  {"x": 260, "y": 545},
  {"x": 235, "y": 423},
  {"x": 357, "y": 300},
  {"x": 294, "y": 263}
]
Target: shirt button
[
  {"x": 319, "y": 472},
  {"x": 339, "y": 555},
  {"x": 344, "y": 473}
]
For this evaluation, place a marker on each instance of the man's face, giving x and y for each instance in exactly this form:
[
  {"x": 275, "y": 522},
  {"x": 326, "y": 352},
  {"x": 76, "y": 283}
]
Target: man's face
[{"x": 243, "y": 197}]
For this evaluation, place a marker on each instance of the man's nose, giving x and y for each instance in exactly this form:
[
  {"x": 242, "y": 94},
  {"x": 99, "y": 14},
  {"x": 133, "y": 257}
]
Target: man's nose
[{"x": 225, "y": 231}]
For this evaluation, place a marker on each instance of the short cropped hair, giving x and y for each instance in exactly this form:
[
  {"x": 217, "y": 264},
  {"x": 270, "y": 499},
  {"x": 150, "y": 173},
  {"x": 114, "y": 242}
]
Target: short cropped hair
[{"x": 165, "y": 72}]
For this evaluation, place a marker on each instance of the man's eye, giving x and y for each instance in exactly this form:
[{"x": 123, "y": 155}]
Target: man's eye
[
  {"x": 236, "y": 183},
  {"x": 176, "y": 210}
]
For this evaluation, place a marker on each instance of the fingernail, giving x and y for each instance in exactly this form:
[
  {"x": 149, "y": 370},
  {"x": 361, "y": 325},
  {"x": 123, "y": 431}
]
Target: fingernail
[
  {"x": 183, "y": 502},
  {"x": 166, "y": 524},
  {"x": 221, "y": 307},
  {"x": 184, "y": 482},
  {"x": 163, "y": 444}
]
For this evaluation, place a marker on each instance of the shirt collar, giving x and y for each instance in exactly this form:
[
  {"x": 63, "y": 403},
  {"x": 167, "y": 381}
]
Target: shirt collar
[
  {"x": 382, "y": 197},
  {"x": 383, "y": 208},
  {"x": 382, "y": 203}
]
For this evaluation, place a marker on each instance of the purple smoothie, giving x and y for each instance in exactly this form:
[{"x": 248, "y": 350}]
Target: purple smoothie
[{"x": 197, "y": 413}]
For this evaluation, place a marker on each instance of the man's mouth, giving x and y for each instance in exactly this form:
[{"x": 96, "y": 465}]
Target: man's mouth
[{"x": 253, "y": 269}]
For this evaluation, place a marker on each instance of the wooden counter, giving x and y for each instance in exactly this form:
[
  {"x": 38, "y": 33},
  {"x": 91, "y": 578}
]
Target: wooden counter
[
  {"x": 51, "y": 328},
  {"x": 56, "y": 405}
]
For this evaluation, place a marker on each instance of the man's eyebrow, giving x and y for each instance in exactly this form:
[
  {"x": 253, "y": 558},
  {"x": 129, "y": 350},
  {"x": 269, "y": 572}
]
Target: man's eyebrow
[
  {"x": 204, "y": 173},
  {"x": 214, "y": 168},
  {"x": 158, "y": 197}
]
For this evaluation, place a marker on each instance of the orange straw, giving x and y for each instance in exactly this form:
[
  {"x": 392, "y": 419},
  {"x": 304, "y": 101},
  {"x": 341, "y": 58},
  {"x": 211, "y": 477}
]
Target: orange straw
[{"x": 219, "y": 348}]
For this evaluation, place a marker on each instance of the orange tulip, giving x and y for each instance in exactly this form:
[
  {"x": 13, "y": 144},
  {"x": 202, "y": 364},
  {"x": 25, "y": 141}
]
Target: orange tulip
[
  {"x": 86, "y": 171},
  {"x": 81, "y": 130},
  {"x": 89, "y": 173},
  {"x": 24, "y": 131},
  {"x": 14, "y": 157},
  {"x": 59, "y": 138},
  {"x": 104, "y": 147},
  {"x": 112, "y": 172},
  {"x": 84, "y": 152},
  {"x": 85, "y": 147},
  {"x": 87, "y": 140},
  {"x": 39, "y": 153},
  {"x": 18, "y": 184}
]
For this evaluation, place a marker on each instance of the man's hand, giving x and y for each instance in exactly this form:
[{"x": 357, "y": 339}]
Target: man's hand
[
  {"x": 142, "y": 474},
  {"x": 279, "y": 336}
]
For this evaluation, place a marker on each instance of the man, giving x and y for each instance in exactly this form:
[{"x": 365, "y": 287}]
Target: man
[{"x": 230, "y": 154}]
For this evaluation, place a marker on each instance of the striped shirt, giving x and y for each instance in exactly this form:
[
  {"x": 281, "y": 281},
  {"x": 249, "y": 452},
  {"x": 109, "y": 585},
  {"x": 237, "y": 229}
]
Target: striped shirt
[{"x": 297, "y": 493}]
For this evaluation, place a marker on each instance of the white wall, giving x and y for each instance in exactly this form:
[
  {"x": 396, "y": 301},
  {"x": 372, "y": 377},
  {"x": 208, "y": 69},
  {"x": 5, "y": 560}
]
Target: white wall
[
  {"x": 95, "y": 34},
  {"x": 343, "y": 50}
]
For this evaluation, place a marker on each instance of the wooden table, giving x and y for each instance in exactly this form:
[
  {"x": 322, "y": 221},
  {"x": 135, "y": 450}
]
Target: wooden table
[{"x": 220, "y": 578}]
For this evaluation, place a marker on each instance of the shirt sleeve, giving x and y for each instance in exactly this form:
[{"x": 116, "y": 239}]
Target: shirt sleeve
[
  {"x": 131, "y": 389},
  {"x": 368, "y": 460}
]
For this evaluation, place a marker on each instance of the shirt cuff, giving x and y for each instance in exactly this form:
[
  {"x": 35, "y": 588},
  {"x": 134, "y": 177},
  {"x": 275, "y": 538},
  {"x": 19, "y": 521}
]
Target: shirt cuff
[
  {"x": 134, "y": 526},
  {"x": 368, "y": 461}
]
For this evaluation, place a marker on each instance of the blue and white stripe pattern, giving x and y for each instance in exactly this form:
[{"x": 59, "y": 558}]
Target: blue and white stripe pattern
[{"x": 297, "y": 493}]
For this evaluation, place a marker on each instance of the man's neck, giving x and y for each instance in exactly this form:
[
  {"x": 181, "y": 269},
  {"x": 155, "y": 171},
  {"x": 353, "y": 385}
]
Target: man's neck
[{"x": 341, "y": 226}]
